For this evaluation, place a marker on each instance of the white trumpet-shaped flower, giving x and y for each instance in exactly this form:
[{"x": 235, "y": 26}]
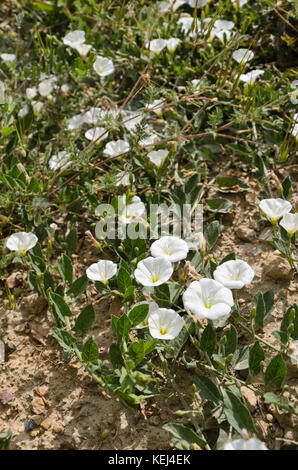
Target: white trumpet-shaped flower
[
  {"x": 290, "y": 223},
  {"x": 234, "y": 274},
  {"x": 153, "y": 271},
  {"x": 251, "y": 77},
  {"x": 156, "y": 106},
  {"x": 93, "y": 115},
  {"x": 208, "y": 299},
  {"x": 101, "y": 271},
  {"x": 150, "y": 140},
  {"x": 74, "y": 38},
  {"x": 274, "y": 209},
  {"x": 152, "y": 307},
  {"x": 132, "y": 211},
  {"x": 60, "y": 161},
  {"x": 96, "y": 133},
  {"x": 21, "y": 242},
  {"x": 156, "y": 45},
  {"x": 172, "y": 44},
  {"x": 124, "y": 178},
  {"x": 221, "y": 28},
  {"x": 243, "y": 55},
  {"x": 103, "y": 66},
  {"x": 116, "y": 147},
  {"x": 46, "y": 87},
  {"x": 8, "y": 57},
  {"x": 245, "y": 444},
  {"x": 165, "y": 323},
  {"x": 131, "y": 120},
  {"x": 170, "y": 247},
  {"x": 31, "y": 93},
  {"x": 75, "y": 122},
  {"x": 158, "y": 157}
]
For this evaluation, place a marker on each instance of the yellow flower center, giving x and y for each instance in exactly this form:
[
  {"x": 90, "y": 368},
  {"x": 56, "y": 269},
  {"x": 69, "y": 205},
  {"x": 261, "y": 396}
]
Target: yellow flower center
[
  {"x": 208, "y": 305},
  {"x": 163, "y": 331},
  {"x": 155, "y": 278}
]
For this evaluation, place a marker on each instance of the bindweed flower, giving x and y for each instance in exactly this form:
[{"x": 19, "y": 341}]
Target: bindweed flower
[
  {"x": 152, "y": 307},
  {"x": 31, "y": 93},
  {"x": 156, "y": 106},
  {"x": 37, "y": 106},
  {"x": 21, "y": 242},
  {"x": 74, "y": 38},
  {"x": 83, "y": 49},
  {"x": 239, "y": 3},
  {"x": 60, "y": 161},
  {"x": 234, "y": 274},
  {"x": 274, "y": 209},
  {"x": 290, "y": 223},
  {"x": 251, "y": 77},
  {"x": 172, "y": 44},
  {"x": 245, "y": 444},
  {"x": 170, "y": 247},
  {"x": 158, "y": 157},
  {"x": 65, "y": 88},
  {"x": 153, "y": 271},
  {"x": 8, "y": 57},
  {"x": 294, "y": 130},
  {"x": 132, "y": 211},
  {"x": 294, "y": 96},
  {"x": 156, "y": 45},
  {"x": 150, "y": 140},
  {"x": 208, "y": 299},
  {"x": 221, "y": 28},
  {"x": 96, "y": 133},
  {"x": 23, "y": 111},
  {"x": 75, "y": 122},
  {"x": 116, "y": 147},
  {"x": 103, "y": 66},
  {"x": 46, "y": 87},
  {"x": 189, "y": 26},
  {"x": 131, "y": 120},
  {"x": 165, "y": 323},
  {"x": 198, "y": 3},
  {"x": 173, "y": 5},
  {"x": 101, "y": 271},
  {"x": 93, "y": 115},
  {"x": 124, "y": 178},
  {"x": 243, "y": 56}
]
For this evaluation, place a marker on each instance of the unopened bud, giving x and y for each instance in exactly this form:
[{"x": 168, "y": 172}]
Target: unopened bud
[
  {"x": 292, "y": 314},
  {"x": 93, "y": 240},
  {"x": 229, "y": 358},
  {"x": 253, "y": 312}
]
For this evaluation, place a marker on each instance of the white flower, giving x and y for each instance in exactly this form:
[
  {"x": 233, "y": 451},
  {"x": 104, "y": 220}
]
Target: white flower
[
  {"x": 96, "y": 133},
  {"x": 156, "y": 45},
  {"x": 243, "y": 55},
  {"x": 101, "y": 271},
  {"x": 245, "y": 444},
  {"x": 234, "y": 274},
  {"x": 241, "y": 3},
  {"x": 8, "y": 57},
  {"x": 165, "y": 323},
  {"x": 31, "y": 93},
  {"x": 221, "y": 28},
  {"x": 131, "y": 120},
  {"x": 37, "y": 106},
  {"x": 290, "y": 223},
  {"x": 116, "y": 147},
  {"x": 150, "y": 140},
  {"x": 152, "y": 307},
  {"x": 65, "y": 88},
  {"x": 208, "y": 299},
  {"x": 123, "y": 178},
  {"x": 83, "y": 49},
  {"x": 21, "y": 242},
  {"x": 131, "y": 211},
  {"x": 294, "y": 96},
  {"x": 294, "y": 131},
  {"x": 60, "y": 161},
  {"x": 46, "y": 87},
  {"x": 189, "y": 25},
  {"x": 93, "y": 115},
  {"x": 251, "y": 77},
  {"x": 164, "y": 7},
  {"x": 153, "y": 271},
  {"x": 156, "y": 106},
  {"x": 170, "y": 247},
  {"x": 103, "y": 66},
  {"x": 74, "y": 38},
  {"x": 274, "y": 209},
  {"x": 23, "y": 111},
  {"x": 75, "y": 122},
  {"x": 172, "y": 44},
  {"x": 158, "y": 157}
]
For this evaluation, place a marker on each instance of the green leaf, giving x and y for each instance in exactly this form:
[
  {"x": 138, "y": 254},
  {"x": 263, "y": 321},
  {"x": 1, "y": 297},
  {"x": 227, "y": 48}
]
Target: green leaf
[
  {"x": 240, "y": 358},
  {"x": 123, "y": 279},
  {"x": 222, "y": 206},
  {"x": 212, "y": 232},
  {"x": 85, "y": 320},
  {"x": 276, "y": 371},
  {"x": 33, "y": 283},
  {"x": 237, "y": 414},
  {"x": 61, "y": 307},
  {"x": 291, "y": 316},
  {"x": 72, "y": 241},
  {"x": 286, "y": 187},
  {"x": 138, "y": 314},
  {"x": 137, "y": 351},
  {"x": 114, "y": 322},
  {"x": 260, "y": 309},
  {"x": 65, "y": 268},
  {"x": 90, "y": 351},
  {"x": 182, "y": 437},
  {"x": 64, "y": 338},
  {"x": 78, "y": 287},
  {"x": 116, "y": 356},
  {"x": 232, "y": 340},
  {"x": 256, "y": 356},
  {"x": 208, "y": 339},
  {"x": 206, "y": 388},
  {"x": 123, "y": 327},
  {"x": 48, "y": 281},
  {"x": 229, "y": 184},
  {"x": 178, "y": 343},
  {"x": 129, "y": 295},
  {"x": 162, "y": 295},
  {"x": 269, "y": 301}
]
